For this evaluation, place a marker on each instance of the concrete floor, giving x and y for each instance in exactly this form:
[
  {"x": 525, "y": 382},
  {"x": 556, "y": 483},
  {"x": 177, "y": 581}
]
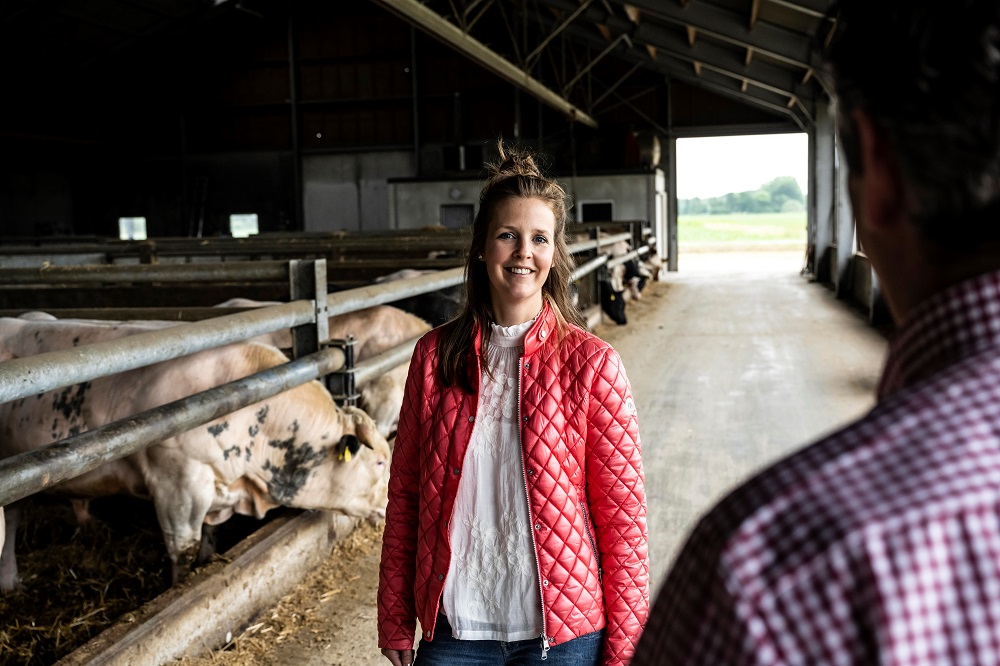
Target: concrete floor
[{"x": 735, "y": 361}]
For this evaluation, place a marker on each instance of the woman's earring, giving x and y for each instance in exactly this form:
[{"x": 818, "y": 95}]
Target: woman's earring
[{"x": 480, "y": 257}]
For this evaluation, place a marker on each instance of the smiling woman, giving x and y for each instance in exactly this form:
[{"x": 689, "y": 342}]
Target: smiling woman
[{"x": 516, "y": 518}]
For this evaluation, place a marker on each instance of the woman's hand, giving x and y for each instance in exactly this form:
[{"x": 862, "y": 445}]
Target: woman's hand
[{"x": 399, "y": 657}]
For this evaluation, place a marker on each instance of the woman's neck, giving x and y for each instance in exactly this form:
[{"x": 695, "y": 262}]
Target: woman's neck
[{"x": 517, "y": 314}]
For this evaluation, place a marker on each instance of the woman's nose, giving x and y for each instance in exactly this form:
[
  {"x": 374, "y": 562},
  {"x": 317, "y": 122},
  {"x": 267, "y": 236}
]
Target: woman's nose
[{"x": 523, "y": 249}]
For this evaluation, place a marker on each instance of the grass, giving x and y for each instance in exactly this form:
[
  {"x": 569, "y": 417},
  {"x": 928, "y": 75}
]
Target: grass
[{"x": 742, "y": 227}]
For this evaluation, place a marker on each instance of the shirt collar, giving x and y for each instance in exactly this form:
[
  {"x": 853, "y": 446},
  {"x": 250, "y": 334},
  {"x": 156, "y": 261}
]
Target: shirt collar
[
  {"x": 950, "y": 325},
  {"x": 543, "y": 327}
]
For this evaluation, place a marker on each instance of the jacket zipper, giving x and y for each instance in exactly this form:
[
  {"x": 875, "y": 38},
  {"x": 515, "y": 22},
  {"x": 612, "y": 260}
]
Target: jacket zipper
[
  {"x": 590, "y": 536},
  {"x": 527, "y": 496}
]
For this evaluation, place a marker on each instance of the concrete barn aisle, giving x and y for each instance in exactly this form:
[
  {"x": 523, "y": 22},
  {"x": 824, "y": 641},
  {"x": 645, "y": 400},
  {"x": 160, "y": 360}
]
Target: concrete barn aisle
[{"x": 735, "y": 361}]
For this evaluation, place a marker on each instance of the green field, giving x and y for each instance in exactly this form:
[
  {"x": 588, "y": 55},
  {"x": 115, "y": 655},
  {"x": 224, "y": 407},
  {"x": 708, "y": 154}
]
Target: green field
[{"x": 741, "y": 227}]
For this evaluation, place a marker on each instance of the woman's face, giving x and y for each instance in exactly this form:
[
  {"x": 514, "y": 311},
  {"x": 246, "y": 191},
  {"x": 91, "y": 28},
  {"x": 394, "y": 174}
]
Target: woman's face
[{"x": 518, "y": 254}]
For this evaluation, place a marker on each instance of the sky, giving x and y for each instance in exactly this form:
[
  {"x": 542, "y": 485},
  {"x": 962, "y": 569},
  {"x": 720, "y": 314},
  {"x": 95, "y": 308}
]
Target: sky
[{"x": 714, "y": 166}]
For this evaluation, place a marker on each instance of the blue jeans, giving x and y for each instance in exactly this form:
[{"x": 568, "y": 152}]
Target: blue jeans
[{"x": 447, "y": 651}]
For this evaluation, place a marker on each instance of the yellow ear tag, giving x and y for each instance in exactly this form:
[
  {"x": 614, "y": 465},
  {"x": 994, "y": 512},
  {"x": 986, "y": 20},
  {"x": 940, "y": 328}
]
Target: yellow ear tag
[{"x": 347, "y": 455}]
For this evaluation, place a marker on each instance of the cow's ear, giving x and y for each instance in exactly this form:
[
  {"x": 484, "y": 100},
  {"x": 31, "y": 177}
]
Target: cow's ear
[
  {"x": 363, "y": 426},
  {"x": 348, "y": 447}
]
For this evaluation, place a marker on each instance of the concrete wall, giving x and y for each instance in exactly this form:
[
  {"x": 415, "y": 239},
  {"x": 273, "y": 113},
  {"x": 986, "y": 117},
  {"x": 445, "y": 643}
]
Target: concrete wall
[
  {"x": 415, "y": 204},
  {"x": 350, "y": 191}
]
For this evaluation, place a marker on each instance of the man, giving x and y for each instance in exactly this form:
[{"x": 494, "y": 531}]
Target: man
[{"x": 881, "y": 543}]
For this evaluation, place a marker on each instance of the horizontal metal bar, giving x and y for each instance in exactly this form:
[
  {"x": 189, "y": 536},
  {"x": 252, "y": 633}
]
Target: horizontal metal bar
[
  {"x": 589, "y": 267},
  {"x": 387, "y": 292},
  {"x": 178, "y": 314},
  {"x": 274, "y": 271},
  {"x": 372, "y": 367},
  {"x": 601, "y": 241},
  {"x": 24, "y": 377},
  {"x": 28, "y": 473},
  {"x": 634, "y": 254}
]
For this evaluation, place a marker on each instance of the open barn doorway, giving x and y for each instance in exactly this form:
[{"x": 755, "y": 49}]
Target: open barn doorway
[{"x": 742, "y": 194}]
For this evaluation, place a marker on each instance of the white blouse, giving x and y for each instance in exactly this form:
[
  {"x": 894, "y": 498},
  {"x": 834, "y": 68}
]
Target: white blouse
[{"x": 492, "y": 590}]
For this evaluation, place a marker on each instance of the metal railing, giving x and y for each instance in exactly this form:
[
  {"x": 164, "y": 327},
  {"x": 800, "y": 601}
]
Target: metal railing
[{"x": 31, "y": 472}]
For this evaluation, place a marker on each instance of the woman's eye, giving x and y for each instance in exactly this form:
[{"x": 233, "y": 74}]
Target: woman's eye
[
  {"x": 541, "y": 239},
  {"x": 506, "y": 235}
]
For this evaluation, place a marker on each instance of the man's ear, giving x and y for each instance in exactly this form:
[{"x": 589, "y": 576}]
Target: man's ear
[{"x": 878, "y": 187}]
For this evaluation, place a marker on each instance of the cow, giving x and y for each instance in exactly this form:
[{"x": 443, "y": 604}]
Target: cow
[
  {"x": 613, "y": 294},
  {"x": 295, "y": 449},
  {"x": 375, "y": 330}
]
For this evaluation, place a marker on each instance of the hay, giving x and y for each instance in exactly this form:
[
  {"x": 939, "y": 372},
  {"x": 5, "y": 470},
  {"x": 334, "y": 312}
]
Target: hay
[{"x": 78, "y": 580}]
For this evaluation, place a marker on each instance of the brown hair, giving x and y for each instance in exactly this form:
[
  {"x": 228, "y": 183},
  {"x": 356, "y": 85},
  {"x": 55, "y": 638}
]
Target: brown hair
[{"x": 515, "y": 174}]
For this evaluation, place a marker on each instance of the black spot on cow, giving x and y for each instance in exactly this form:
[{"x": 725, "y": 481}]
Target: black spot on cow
[
  {"x": 293, "y": 473},
  {"x": 217, "y": 429},
  {"x": 76, "y": 341},
  {"x": 74, "y": 431},
  {"x": 253, "y": 430},
  {"x": 249, "y": 452},
  {"x": 231, "y": 449},
  {"x": 262, "y": 414},
  {"x": 69, "y": 401},
  {"x": 38, "y": 337}
]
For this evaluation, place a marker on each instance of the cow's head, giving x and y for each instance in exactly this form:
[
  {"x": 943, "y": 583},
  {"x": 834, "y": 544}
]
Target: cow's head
[
  {"x": 320, "y": 456},
  {"x": 613, "y": 303},
  {"x": 364, "y": 454}
]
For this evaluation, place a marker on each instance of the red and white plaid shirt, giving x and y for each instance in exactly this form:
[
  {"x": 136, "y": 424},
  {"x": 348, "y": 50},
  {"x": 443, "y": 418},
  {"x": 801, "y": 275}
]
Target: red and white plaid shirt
[{"x": 877, "y": 545}]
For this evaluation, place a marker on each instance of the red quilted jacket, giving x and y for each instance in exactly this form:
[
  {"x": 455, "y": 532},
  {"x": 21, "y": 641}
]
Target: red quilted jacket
[{"x": 580, "y": 441}]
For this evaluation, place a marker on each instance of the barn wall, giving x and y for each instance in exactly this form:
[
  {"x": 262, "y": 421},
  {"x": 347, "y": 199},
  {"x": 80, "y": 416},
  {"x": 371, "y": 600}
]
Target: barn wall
[
  {"x": 35, "y": 200},
  {"x": 351, "y": 191},
  {"x": 636, "y": 196}
]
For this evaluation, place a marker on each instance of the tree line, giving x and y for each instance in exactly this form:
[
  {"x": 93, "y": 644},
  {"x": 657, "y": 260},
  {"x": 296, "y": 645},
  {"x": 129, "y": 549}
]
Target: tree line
[{"x": 780, "y": 195}]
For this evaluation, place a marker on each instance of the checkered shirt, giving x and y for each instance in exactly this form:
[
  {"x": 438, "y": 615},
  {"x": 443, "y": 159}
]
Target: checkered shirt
[{"x": 879, "y": 544}]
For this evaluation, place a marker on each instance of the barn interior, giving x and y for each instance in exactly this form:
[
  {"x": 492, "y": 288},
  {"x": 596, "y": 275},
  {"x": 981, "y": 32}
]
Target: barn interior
[
  {"x": 181, "y": 150},
  {"x": 308, "y": 115}
]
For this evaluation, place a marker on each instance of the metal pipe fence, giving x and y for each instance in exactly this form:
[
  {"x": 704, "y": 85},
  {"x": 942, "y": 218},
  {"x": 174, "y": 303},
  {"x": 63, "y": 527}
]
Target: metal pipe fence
[
  {"x": 37, "y": 470},
  {"x": 28, "y": 473}
]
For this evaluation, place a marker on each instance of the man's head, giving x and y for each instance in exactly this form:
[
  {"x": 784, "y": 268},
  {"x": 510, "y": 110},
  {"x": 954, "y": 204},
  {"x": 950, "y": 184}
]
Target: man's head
[{"x": 924, "y": 75}]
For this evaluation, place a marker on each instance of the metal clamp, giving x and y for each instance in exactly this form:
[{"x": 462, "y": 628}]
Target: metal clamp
[{"x": 340, "y": 383}]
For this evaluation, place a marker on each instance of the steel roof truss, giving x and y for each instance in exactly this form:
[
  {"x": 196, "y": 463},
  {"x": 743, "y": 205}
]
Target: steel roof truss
[
  {"x": 437, "y": 26},
  {"x": 729, "y": 26},
  {"x": 529, "y": 61}
]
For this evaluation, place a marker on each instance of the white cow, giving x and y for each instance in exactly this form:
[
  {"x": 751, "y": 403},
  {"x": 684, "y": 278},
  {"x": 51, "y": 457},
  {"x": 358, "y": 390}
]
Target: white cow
[
  {"x": 295, "y": 449},
  {"x": 375, "y": 330}
]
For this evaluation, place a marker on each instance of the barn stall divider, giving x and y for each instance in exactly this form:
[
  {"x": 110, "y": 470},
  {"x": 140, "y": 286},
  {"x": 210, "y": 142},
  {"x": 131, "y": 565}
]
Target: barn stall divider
[{"x": 203, "y": 614}]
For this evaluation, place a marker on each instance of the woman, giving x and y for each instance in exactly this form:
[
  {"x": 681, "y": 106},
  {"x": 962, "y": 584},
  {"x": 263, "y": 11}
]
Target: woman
[{"x": 516, "y": 525}]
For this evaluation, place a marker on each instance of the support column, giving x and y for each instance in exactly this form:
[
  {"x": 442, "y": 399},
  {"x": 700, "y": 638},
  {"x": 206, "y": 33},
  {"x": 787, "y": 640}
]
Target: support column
[{"x": 822, "y": 193}]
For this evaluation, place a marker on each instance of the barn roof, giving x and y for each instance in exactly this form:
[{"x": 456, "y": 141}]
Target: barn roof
[{"x": 763, "y": 53}]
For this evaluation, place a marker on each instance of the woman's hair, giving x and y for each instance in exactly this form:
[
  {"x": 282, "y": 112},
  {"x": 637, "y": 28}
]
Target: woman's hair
[{"x": 514, "y": 175}]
